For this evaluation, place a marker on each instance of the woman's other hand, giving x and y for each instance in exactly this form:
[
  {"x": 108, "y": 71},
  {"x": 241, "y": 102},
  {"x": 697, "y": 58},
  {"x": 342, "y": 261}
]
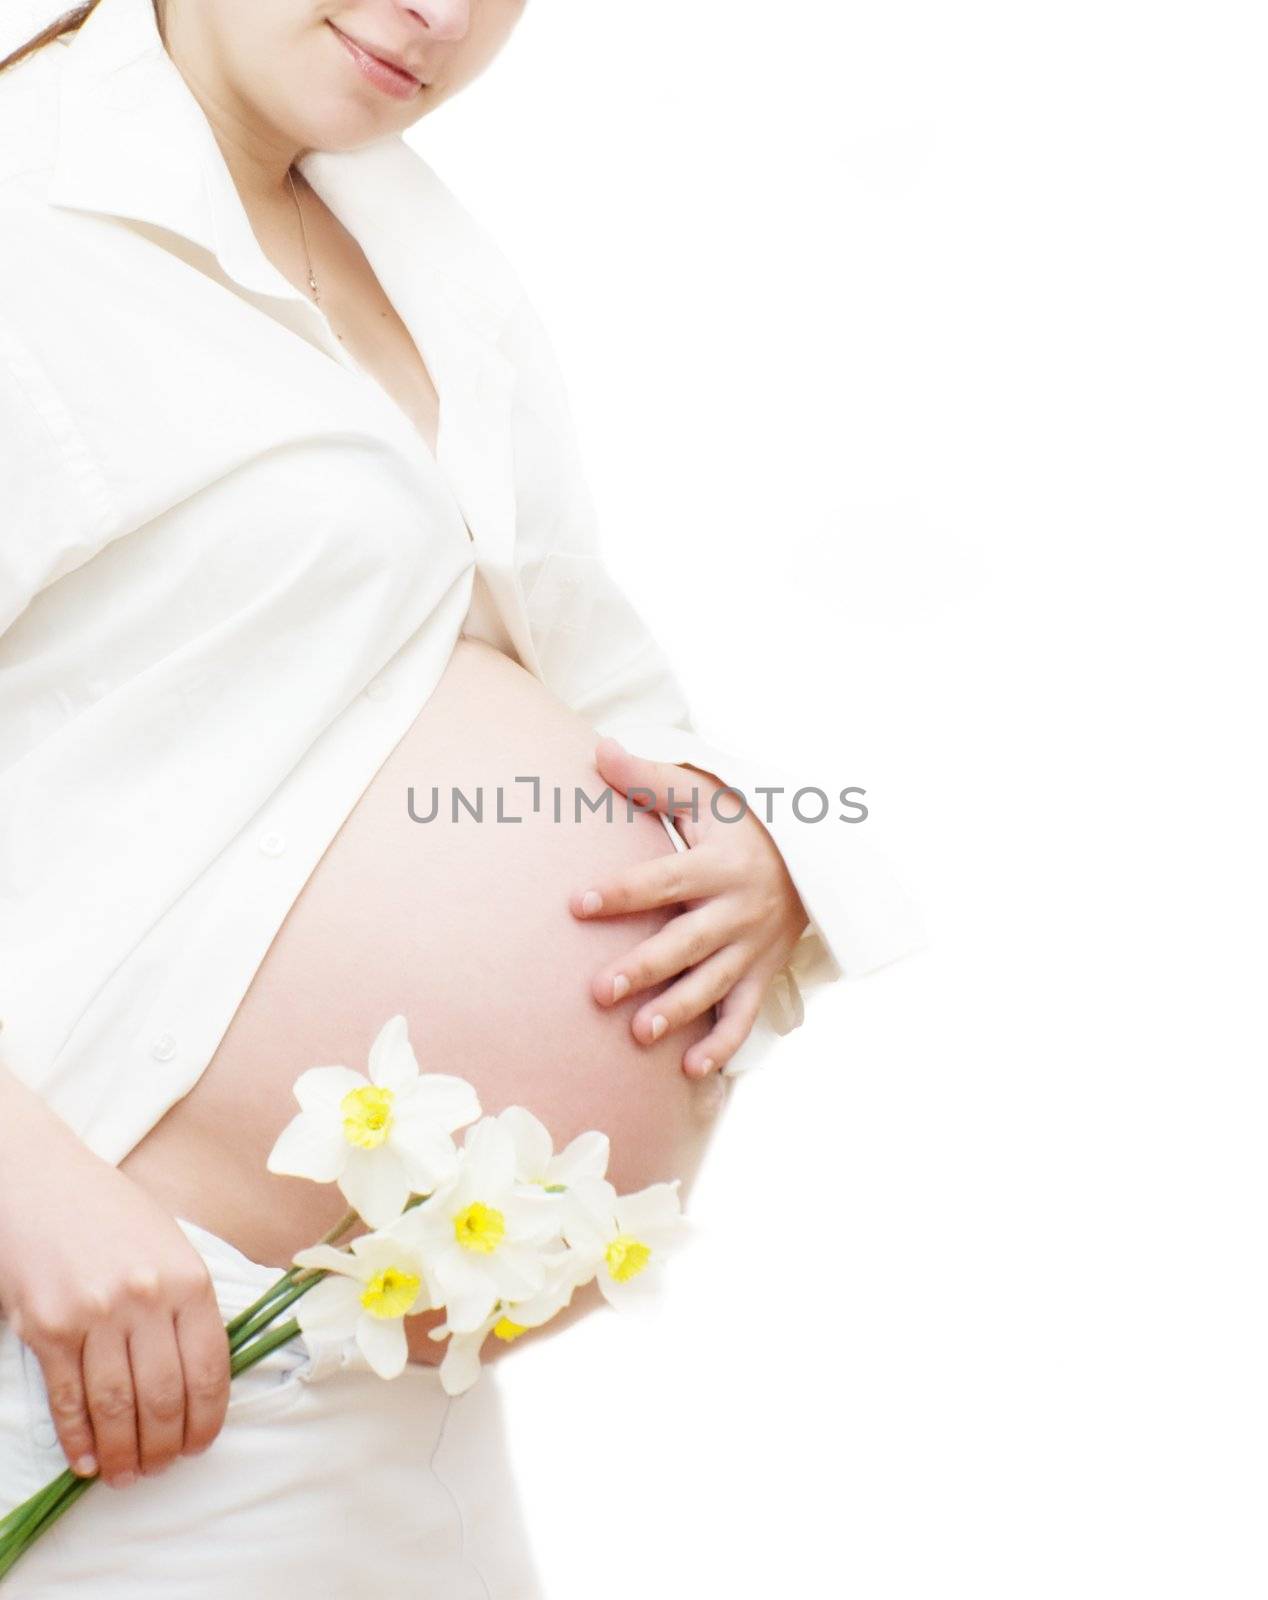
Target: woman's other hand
[
  {"x": 742, "y": 914},
  {"x": 114, "y": 1301}
]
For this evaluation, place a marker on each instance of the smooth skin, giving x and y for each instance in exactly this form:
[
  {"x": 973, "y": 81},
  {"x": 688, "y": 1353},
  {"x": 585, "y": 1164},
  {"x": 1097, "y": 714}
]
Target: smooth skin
[{"x": 95, "y": 1275}]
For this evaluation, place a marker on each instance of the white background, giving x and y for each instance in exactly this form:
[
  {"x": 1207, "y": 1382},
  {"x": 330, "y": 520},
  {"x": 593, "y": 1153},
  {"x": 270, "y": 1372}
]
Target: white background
[{"x": 967, "y": 303}]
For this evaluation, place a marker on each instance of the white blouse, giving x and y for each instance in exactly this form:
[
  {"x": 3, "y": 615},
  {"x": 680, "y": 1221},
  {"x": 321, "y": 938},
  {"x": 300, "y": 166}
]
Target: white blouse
[{"x": 231, "y": 573}]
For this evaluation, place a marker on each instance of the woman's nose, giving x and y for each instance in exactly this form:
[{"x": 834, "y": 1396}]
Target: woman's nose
[{"x": 443, "y": 19}]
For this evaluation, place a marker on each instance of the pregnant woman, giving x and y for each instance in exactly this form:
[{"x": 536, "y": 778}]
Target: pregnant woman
[{"x": 294, "y": 549}]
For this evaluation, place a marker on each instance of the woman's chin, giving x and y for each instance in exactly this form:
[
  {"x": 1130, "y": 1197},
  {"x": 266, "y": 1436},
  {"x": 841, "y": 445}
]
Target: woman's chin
[{"x": 344, "y": 124}]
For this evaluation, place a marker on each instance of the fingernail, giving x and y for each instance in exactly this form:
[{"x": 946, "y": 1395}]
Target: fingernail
[
  {"x": 658, "y": 1025},
  {"x": 705, "y": 1067},
  {"x": 124, "y": 1480},
  {"x": 591, "y": 901},
  {"x": 85, "y": 1466},
  {"x": 620, "y": 986}
]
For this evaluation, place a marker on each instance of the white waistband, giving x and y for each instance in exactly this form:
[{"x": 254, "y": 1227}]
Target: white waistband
[{"x": 225, "y": 1261}]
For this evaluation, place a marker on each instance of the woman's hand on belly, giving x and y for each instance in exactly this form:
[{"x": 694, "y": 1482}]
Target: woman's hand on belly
[
  {"x": 743, "y": 914},
  {"x": 114, "y": 1301},
  {"x": 464, "y": 927}
]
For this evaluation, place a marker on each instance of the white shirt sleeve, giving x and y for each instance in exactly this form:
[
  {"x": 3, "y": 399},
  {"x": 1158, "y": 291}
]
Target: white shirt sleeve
[
  {"x": 599, "y": 656},
  {"x": 55, "y": 510}
]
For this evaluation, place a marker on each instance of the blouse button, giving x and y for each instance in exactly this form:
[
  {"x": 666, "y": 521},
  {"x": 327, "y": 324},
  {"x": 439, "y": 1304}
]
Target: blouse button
[
  {"x": 163, "y": 1048},
  {"x": 44, "y": 1433},
  {"x": 272, "y": 844},
  {"x": 378, "y": 689}
]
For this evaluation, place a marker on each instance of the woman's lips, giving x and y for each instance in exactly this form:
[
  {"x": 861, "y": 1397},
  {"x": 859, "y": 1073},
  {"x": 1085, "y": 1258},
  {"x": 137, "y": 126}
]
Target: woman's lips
[{"x": 382, "y": 74}]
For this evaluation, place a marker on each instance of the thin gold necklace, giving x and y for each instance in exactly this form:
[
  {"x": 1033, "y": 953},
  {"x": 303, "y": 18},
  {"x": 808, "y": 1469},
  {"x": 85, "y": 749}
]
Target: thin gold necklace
[{"x": 312, "y": 279}]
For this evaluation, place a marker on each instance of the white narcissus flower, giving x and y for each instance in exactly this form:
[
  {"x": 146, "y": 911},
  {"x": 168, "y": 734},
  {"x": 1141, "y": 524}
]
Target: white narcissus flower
[
  {"x": 485, "y": 1235},
  {"x": 535, "y": 1158},
  {"x": 461, "y": 1364},
  {"x": 626, "y": 1237},
  {"x": 368, "y": 1295},
  {"x": 381, "y": 1138},
  {"x": 536, "y": 1161}
]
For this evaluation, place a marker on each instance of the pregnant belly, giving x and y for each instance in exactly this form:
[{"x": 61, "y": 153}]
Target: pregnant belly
[{"x": 464, "y": 927}]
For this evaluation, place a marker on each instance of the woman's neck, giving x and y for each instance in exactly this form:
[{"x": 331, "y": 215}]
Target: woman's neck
[{"x": 258, "y": 156}]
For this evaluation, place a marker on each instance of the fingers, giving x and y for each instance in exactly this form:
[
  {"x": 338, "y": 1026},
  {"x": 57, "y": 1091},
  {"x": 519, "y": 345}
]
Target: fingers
[
  {"x": 111, "y": 1404},
  {"x": 62, "y": 1366},
  {"x": 646, "y": 783},
  {"x": 736, "y": 1015},
  {"x": 158, "y": 1382},
  {"x": 204, "y": 1358},
  {"x": 694, "y": 994},
  {"x": 666, "y": 880},
  {"x": 684, "y": 941},
  {"x": 141, "y": 1387}
]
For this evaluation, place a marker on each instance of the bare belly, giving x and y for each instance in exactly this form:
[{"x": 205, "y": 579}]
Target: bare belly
[{"x": 464, "y": 927}]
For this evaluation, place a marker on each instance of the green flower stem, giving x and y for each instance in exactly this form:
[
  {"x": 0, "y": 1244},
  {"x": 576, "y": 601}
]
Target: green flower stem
[
  {"x": 256, "y": 1306},
  {"x": 43, "y": 1510},
  {"x": 235, "y": 1324},
  {"x": 250, "y": 1354},
  {"x": 300, "y": 1285},
  {"x": 30, "y": 1509}
]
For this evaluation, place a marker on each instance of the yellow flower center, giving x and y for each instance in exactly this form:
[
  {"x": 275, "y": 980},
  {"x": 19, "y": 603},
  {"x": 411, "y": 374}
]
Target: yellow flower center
[
  {"x": 367, "y": 1116},
  {"x": 627, "y": 1256},
  {"x": 504, "y": 1328},
  {"x": 391, "y": 1293},
  {"x": 479, "y": 1227}
]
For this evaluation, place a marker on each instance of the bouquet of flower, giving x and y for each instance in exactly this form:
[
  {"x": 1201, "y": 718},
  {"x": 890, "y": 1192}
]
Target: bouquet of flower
[{"x": 497, "y": 1233}]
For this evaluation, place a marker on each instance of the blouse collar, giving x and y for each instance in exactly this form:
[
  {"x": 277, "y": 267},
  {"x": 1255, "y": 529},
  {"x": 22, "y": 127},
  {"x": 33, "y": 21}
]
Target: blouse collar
[{"x": 134, "y": 142}]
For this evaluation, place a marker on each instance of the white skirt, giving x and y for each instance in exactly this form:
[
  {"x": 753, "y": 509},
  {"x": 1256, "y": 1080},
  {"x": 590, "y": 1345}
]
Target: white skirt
[{"x": 325, "y": 1480}]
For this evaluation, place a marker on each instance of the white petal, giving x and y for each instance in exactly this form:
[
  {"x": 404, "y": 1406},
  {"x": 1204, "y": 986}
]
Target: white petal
[
  {"x": 450, "y": 1101},
  {"x": 557, "y": 1292},
  {"x": 376, "y": 1251},
  {"x": 322, "y": 1088},
  {"x": 541, "y": 1307},
  {"x": 488, "y": 1160},
  {"x": 516, "y": 1271},
  {"x": 392, "y": 1062},
  {"x": 577, "y": 1225},
  {"x": 532, "y": 1215},
  {"x": 590, "y": 1215},
  {"x": 331, "y": 1309},
  {"x": 639, "y": 1293},
  {"x": 424, "y": 1230},
  {"x": 425, "y": 1150},
  {"x": 666, "y": 1240},
  {"x": 465, "y": 1289},
  {"x": 375, "y": 1185},
  {"x": 579, "y": 1268},
  {"x": 461, "y": 1364},
  {"x": 311, "y": 1145},
  {"x": 381, "y": 1341},
  {"x": 329, "y": 1259},
  {"x": 585, "y": 1157},
  {"x": 655, "y": 1207},
  {"x": 574, "y": 1266},
  {"x": 532, "y": 1141}
]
